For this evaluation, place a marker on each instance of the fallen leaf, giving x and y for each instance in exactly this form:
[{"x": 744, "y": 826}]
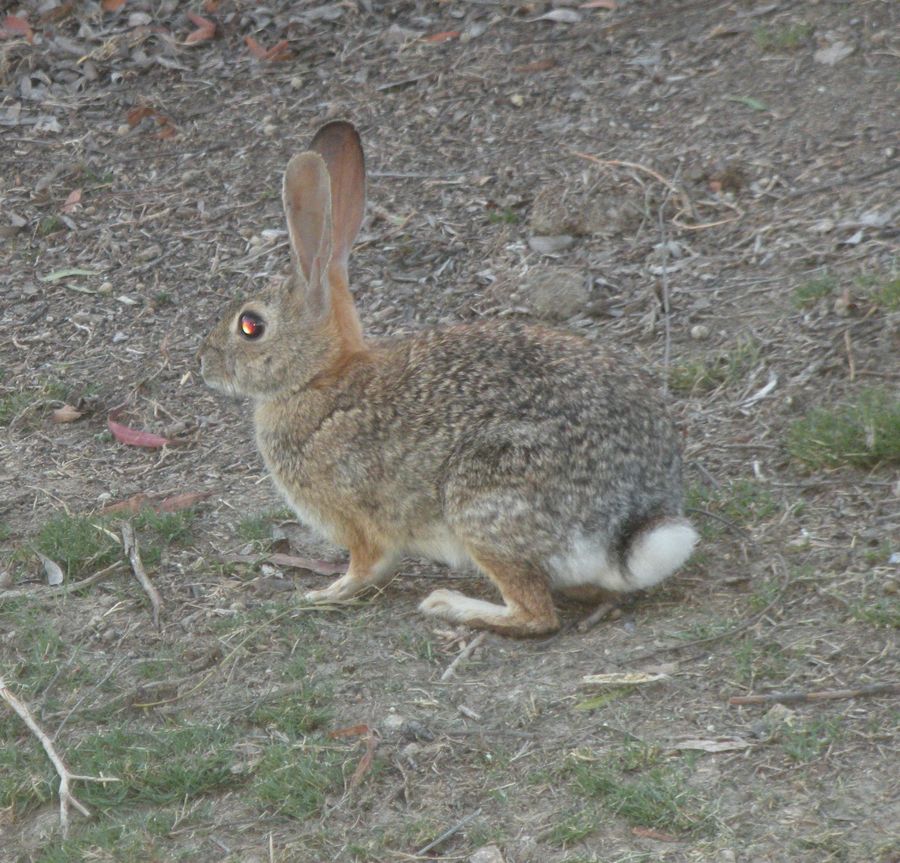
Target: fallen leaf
[
  {"x": 443, "y": 36},
  {"x": 72, "y": 201},
  {"x": 727, "y": 744},
  {"x": 182, "y": 501},
  {"x": 52, "y": 569},
  {"x": 633, "y": 678},
  {"x": 134, "y": 504},
  {"x": 206, "y": 29},
  {"x": 749, "y": 101},
  {"x": 135, "y": 115},
  {"x": 349, "y": 731},
  {"x": 560, "y": 16},
  {"x": 279, "y": 51},
  {"x": 134, "y": 437},
  {"x": 211, "y": 5},
  {"x": 66, "y": 414},
  {"x": 112, "y": 5},
  {"x": 834, "y": 53},
  {"x": 365, "y": 763},
  {"x": 13, "y": 25},
  {"x": 64, "y": 273}
]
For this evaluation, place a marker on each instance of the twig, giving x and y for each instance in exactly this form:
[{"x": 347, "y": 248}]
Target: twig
[
  {"x": 130, "y": 544},
  {"x": 850, "y": 362},
  {"x": 462, "y": 656},
  {"x": 601, "y": 612},
  {"x": 450, "y": 831},
  {"x": 66, "y": 797},
  {"x": 810, "y": 697}
]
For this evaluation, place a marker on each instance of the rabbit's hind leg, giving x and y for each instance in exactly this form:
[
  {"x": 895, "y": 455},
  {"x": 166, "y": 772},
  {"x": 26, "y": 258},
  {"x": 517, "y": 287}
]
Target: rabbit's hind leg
[
  {"x": 528, "y": 608},
  {"x": 369, "y": 567}
]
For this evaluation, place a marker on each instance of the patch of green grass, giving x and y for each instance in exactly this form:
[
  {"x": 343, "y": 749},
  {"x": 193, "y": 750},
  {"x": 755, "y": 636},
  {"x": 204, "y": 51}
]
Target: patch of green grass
[
  {"x": 783, "y": 37},
  {"x": 722, "y": 368},
  {"x": 258, "y": 528},
  {"x": 757, "y": 662},
  {"x": 884, "y": 611},
  {"x": 168, "y": 527},
  {"x": 506, "y": 216},
  {"x": 572, "y": 829},
  {"x": 657, "y": 795},
  {"x": 295, "y": 714},
  {"x": 813, "y": 290},
  {"x": 863, "y": 433},
  {"x": 884, "y": 291},
  {"x": 15, "y": 403},
  {"x": 806, "y": 741},
  {"x": 294, "y": 780},
  {"x": 744, "y": 502},
  {"x": 77, "y": 543},
  {"x": 50, "y": 225}
]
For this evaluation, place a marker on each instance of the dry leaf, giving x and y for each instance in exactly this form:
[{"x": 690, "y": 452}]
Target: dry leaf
[
  {"x": 13, "y": 25},
  {"x": 279, "y": 51},
  {"x": 726, "y": 744},
  {"x": 206, "y": 29},
  {"x": 349, "y": 731},
  {"x": 560, "y": 16},
  {"x": 66, "y": 414},
  {"x": 182, "y": 501},
  {"x": 135, "y": 115},
  {"x": 72, "y": 201},
  {"x": 135, "y": 503},
  {"x": 537, "y": 66},
  {"x": 443, "y": 36},
  {"x": 134, "y": 437},
  {"x": 633, "y": 678},
  {"x": 112, "y": 5},
  {"x": 54, "y": 572}
]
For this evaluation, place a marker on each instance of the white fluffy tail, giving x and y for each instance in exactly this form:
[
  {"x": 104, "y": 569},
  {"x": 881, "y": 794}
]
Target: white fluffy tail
[{"x": 658, "y": 552}]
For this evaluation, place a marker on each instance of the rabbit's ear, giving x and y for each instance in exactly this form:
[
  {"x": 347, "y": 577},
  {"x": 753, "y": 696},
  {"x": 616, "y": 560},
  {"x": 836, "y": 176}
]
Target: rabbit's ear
[
  {"x": 307, "y": 207},
  {"x": 339, "y": 145}
]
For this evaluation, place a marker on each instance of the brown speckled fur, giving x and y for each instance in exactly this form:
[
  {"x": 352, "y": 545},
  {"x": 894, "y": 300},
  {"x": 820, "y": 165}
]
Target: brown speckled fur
[{"x": 496, "y": 443}]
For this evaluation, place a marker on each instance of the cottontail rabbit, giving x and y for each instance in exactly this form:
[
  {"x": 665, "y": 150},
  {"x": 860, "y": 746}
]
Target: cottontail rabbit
[{"x": 544, "y": 459}]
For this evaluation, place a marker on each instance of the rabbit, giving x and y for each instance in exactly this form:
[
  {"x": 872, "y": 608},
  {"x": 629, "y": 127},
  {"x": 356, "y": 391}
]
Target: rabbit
[{"x": 544, "y": 460}]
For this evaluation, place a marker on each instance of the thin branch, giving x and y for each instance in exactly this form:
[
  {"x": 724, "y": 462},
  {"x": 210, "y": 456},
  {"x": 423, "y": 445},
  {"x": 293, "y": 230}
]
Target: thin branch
[
  {"x": 130, "y": 544},
  {"x": 462, "y": 656},
  {"x": 811, "y": 697},
  {"x": 66, "y": 797},
  {"x": 450, "y": 831}
]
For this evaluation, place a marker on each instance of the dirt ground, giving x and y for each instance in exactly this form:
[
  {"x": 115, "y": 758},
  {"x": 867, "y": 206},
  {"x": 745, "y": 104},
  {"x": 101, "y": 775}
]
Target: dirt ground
[{"x": 712, "y": 185}]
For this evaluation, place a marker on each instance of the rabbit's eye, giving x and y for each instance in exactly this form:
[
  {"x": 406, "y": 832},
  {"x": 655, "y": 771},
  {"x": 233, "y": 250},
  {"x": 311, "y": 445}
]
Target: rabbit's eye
[{"x": 251, "y": 326}]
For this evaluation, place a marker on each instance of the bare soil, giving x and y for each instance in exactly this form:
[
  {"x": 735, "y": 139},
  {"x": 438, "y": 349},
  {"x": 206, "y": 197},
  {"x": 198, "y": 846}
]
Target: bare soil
[{"x": 730, "y": 164}]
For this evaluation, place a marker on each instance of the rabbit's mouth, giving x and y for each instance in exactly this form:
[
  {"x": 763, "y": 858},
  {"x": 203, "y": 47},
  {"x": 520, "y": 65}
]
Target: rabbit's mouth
[{"x": 217, "y": 381}]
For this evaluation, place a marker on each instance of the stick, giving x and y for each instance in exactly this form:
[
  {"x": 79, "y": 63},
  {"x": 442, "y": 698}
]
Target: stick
[
  {"x": 601, "y": 612},
  {"x": 450, "y": 831},
  {"x": 130, "y": 544},
  {"x": 811, "y": 697},
  {"x": 462, "y": 656},
  {"x": 65, "y": 777}
]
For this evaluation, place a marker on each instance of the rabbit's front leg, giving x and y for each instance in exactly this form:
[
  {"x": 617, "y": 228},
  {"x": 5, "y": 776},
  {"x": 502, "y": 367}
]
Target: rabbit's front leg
[{"x": 368, "y": 568}]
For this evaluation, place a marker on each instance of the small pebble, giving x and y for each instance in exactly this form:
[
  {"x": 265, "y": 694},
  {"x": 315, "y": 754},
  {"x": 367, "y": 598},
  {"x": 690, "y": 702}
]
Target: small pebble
[
  {"x": 699, "y": 332},
  {"x": 517, "y": 99}
]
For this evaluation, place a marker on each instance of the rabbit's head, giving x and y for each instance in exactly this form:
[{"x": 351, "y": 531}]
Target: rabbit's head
[{"x": 286, "y": 335}]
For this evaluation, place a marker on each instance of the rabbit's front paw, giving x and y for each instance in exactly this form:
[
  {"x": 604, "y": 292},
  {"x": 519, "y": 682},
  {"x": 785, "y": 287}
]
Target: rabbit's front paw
[{"x": 340, "y": 590}]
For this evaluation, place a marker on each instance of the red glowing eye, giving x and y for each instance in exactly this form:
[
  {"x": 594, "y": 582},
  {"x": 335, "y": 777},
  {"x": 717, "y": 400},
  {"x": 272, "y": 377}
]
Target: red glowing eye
[{"x": 251, "y": 326}]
